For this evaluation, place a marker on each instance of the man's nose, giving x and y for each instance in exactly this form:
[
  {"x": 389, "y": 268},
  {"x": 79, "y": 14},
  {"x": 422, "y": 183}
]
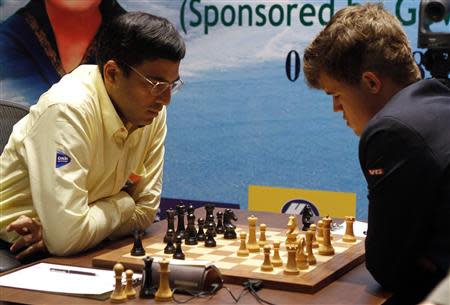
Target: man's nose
[{"x": 164, "y": 97}]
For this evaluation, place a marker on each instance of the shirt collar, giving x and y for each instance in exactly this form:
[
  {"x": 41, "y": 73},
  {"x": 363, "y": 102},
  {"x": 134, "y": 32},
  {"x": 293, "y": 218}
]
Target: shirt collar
[
  {"x": 111, "y": 120},
  {"x": 114, "y": 127}
]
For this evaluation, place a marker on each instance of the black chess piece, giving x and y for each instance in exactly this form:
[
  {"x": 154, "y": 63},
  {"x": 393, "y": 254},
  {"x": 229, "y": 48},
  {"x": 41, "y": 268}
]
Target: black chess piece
[
  {"x": 138, "y": 249},
  {"x": 191, "y": 232},
  {"x": 170, "y": 248},
  {"x": 181, "y": 209},
  {"x": 230, "y": 229},
  {"x": 190, "y": 209},
  {"x": 209, "y": 212},
  {"x": 170, "y": 222},
  {"x": 209, "y": 220},
  {"x": 230, "y": 233},
  {"x": 201, "y": 234},
  {"x": 210, "y": 241},
  {"x": 178, "y": 251},
  {"x": 148, "y": 290},
  {"x": 307, "y": 213},
  {"x": 219, "y": 227}
]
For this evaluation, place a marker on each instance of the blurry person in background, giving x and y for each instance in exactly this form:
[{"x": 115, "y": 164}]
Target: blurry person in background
[{"x": 46, "y": 39}]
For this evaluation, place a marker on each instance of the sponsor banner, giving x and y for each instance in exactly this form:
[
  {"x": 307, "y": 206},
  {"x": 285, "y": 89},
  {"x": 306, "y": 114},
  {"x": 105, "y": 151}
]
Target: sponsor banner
[{"x": 293, "y": 201}]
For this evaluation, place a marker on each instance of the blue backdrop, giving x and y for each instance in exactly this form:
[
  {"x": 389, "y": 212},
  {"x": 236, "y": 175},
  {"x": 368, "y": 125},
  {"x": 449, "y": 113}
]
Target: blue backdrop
[{"x": 239, "y": 120}]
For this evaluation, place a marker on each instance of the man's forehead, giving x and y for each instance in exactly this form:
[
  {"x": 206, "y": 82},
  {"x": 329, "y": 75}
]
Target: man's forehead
[
  {"x": 161, "y": 69},
  {"x": 327, "y": 83}
]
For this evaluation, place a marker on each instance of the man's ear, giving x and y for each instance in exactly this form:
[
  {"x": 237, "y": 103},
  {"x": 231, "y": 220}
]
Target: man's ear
[
  {"x": 111, "y": 71},
  {"x": 372, "y": 82}
]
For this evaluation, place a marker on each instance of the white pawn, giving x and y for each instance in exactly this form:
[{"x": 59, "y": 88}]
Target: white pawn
[
  {"x": 129, "y": 289},
  {"x": 276, "y": 258},
  {"x": 243, "y": 251},
  {"x": 266, "y": 265},
  {"x": 313, "y": 229},
  {"x": 301, "y": 258},
  {"x": 319, "y": 231},
  {"x": 262, "y": 235},
  {"x": 118, "y": 295},
  {"x": 309, "y": 248}
]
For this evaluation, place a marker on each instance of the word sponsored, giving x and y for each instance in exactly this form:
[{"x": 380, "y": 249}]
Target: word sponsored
[{"x": 250, "y": 13}]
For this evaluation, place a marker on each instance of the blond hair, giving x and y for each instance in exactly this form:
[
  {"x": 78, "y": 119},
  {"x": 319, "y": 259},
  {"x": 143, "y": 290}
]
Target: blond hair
[{"x": 357, "y": 39}]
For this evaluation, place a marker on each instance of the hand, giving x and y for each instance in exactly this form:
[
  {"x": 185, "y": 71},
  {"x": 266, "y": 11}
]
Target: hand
[{"x": 30, "y": 230}]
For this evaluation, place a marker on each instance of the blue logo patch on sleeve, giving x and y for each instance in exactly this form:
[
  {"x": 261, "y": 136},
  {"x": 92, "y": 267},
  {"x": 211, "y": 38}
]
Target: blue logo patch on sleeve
[{"x": 62, "y": 159}]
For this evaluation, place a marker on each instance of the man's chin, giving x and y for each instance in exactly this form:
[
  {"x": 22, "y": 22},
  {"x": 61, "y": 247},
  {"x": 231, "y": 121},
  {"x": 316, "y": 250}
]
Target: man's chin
[
  {"x": 145, "y": 122},
  {"x": 357, "y": 132}
]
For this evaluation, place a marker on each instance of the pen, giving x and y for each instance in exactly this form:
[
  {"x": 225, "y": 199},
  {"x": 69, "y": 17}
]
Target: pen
[{"x": 72, "y": 271}]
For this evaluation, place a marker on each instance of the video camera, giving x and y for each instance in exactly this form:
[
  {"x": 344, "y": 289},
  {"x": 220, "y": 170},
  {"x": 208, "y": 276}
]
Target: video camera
[{"x": 434, "y": 35}]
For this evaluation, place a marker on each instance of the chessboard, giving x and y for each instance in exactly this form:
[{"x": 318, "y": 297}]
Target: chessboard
[{"x": 236, "y": 269}]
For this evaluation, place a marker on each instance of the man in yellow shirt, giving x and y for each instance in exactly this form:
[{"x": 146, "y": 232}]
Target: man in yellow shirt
[{"x": 87, "y": 162}]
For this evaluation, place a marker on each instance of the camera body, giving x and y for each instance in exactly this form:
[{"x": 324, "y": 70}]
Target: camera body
[
  {"x": 433, "y": 11},
  {"x": 437, "y": 58}
]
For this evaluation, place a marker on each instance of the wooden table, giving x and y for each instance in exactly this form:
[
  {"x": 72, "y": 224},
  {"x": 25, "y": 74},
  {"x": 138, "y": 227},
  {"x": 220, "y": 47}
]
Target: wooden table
[{"x": 355, "y": 287}]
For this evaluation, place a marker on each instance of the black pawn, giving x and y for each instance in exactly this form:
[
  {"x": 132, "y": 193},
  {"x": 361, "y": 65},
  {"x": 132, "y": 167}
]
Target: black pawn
[
  {"x": 170, "y": 248},
  {"x": 191, "y": 232},
  {"x": 210, "y": 241},
  {"x": 178, "y": 251},
  {"x": 147, "y": 288},
  {"x": 201, "y": 234},
  {"x": 181, "y": 209},
  {"x": 170, "y": 222},
  {"x": 138, "y": 249},
  {"x": 219, "y": 227}
]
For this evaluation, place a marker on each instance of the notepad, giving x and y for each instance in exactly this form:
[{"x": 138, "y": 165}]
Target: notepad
[
  {"x": 63, "y": 279},
  {"x": 359, "y": 229}
]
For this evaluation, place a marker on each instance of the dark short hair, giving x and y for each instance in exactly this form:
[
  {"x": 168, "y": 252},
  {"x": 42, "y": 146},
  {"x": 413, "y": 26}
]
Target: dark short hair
[
  {"x": 136, "y": 36},
  {"x": 360, "y": 38}
]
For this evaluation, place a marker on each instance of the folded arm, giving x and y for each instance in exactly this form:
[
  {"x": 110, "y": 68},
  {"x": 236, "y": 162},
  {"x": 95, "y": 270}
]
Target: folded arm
[
  {"x": 146, "y": 192},
  {"x": 70, "y": 222}
]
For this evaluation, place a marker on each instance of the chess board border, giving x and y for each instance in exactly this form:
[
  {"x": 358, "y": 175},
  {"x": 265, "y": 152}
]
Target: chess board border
[{"x": 307, "y": 282}]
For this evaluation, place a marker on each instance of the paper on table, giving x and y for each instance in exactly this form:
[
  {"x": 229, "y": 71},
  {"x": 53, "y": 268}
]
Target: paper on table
[
  {"x": 40, "y": 277},
  {"x": 359, "y": 228}
]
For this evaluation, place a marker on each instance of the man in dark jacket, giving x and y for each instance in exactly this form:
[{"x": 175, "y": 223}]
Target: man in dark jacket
[{"x": 363, "y": 60}]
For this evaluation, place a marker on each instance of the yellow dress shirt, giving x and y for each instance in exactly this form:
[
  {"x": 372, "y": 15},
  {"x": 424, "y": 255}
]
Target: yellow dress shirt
[{"x": 72, "y": 163}]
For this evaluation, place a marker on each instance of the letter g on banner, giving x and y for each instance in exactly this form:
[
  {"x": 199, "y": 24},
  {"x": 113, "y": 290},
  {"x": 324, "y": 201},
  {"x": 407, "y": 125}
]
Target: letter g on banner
[{"x": 292, "y": 63}]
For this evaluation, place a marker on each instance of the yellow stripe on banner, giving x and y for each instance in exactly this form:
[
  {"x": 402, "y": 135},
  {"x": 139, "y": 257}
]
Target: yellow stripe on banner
[{"x": 292, "y": 201}]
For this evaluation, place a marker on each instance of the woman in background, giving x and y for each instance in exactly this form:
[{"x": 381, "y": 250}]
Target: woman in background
[{"x": 46, "y": 39}]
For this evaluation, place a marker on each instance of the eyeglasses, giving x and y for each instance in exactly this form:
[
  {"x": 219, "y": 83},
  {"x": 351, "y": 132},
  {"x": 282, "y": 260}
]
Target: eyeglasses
[{"x": 159, "y": 87}]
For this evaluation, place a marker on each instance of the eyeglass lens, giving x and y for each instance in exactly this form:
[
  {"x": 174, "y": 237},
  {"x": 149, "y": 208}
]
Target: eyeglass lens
[{"x": 159, "y": 88}]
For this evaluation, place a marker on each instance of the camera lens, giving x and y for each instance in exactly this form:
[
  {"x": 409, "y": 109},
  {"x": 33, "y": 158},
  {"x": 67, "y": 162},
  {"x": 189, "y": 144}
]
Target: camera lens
[{"x": 436, "y": 10}]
